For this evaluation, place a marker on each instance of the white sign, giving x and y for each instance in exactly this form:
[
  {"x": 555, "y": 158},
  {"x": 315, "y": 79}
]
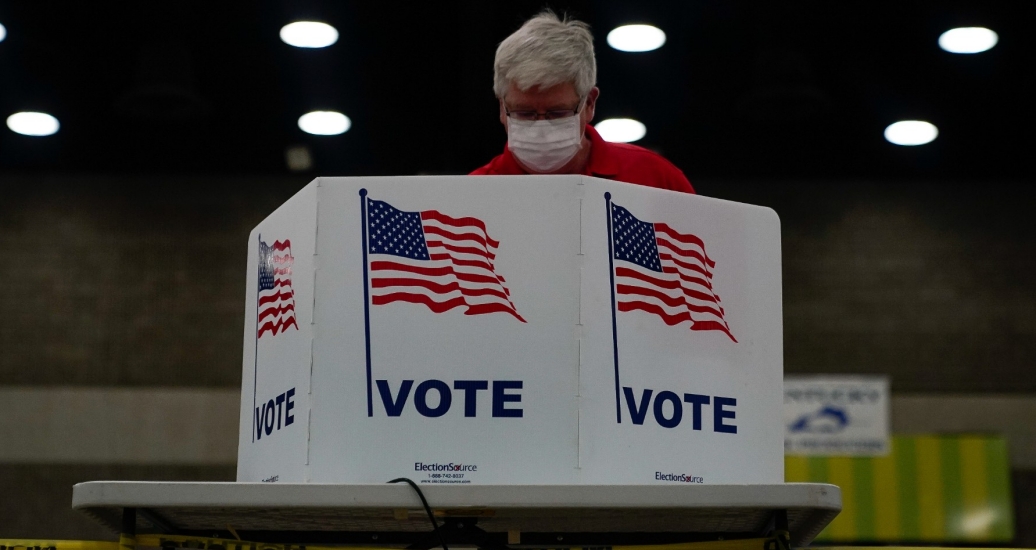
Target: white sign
[
  {"x": 511, "y": 330},
  {"x": 836, "y": 415}
]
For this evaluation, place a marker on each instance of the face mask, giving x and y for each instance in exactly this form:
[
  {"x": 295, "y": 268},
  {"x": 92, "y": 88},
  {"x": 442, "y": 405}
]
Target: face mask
[{"x": 544, "y": 145}]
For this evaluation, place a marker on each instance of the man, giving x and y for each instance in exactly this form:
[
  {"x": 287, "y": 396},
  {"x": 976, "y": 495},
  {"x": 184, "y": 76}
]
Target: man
[{"x": 544, "y": 77}]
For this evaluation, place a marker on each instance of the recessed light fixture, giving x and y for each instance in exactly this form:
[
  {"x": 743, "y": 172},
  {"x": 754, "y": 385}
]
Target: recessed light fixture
[
  {"x": 968, "y": 40},
  {"x": 3, "y": 33},
  {"x": 636, "y": 38},
  {"x": 620, "y": 130},
  {"x": 309, "y": 34},
  {"x": 911, "y": 132},
  {"x": 28, "y": 123},
  {"x": 324, "y": 123}
]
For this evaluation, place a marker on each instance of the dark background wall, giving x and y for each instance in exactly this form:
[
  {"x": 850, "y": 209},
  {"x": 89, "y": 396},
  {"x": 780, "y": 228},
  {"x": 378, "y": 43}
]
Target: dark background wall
[
  {"x": 127, "y": 281},
  {"x": 37, "y": 501},
  {"x": 140, "y": 281},
  {"x": 929, "y": 282}
]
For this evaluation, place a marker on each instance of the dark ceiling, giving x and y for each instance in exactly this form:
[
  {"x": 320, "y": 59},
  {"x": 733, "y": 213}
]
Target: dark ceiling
[{"x": 740, "y": 89}]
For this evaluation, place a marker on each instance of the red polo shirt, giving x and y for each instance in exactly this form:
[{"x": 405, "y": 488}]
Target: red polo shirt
[{"x": 613, "y": 161}]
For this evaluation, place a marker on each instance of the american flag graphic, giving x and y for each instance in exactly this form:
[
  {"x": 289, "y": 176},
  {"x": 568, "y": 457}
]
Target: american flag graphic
[
  {"x": 433, "y": 259},
  {"x": 276, "y": 297},
  {"x": 664, "y": 272}
]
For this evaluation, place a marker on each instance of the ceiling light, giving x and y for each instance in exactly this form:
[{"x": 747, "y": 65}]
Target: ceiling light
[
  {"x": 3, "y": 33},
  {"x": 621, "y": 130},
  {"x": 309, "y": 34},
  {"x": 968, "y": 40},
  {"x": 911, "y": 132},
  {"x": 324, "y": 123},
  {"x": 636, "y": 38},
  {"x": 33, "y": 124}
]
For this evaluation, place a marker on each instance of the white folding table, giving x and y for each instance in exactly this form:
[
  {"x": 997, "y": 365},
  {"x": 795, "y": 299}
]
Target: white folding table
[{"x": 484, "y": 516}]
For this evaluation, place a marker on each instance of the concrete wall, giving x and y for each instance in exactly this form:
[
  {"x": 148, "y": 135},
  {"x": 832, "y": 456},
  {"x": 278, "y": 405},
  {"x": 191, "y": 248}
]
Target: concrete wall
[
  {"x": 929, "y": 282},
  {"x": 127, "y": 282}
]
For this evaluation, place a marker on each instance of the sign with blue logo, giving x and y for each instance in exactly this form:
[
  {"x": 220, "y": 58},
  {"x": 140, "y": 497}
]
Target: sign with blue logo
[
  {"x": 836, "y": 415},
  {"x": 512, "y": 330}
]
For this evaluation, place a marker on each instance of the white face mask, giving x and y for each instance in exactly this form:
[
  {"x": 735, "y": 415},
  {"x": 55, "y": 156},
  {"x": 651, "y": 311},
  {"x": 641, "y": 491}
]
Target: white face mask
[{"x": 544, "y": 145}]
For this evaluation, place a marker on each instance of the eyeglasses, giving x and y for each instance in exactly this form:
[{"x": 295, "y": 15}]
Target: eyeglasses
[{"x": 547, "y": 115}]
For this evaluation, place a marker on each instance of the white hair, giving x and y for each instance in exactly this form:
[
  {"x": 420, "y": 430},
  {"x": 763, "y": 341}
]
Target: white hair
[{"x": 546, "y": 51}]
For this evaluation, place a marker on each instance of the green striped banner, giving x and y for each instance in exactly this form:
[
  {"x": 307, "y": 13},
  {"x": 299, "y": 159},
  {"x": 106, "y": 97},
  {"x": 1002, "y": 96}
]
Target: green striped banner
[{"x": 928, "y": 489}]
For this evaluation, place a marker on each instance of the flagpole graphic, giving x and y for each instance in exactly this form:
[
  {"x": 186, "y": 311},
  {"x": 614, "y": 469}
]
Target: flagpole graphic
[
  {"x": 255, "y": 366},
  {"x": 658, "y": 270},
  {"x": 615, "y": 332},
  {"x": 366, "y": 303}
]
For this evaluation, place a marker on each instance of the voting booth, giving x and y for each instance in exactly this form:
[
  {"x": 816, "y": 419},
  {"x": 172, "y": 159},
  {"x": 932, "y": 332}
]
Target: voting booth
[
  {"x": 551, "y": 361},
  {"x": 512, "y": 330}
]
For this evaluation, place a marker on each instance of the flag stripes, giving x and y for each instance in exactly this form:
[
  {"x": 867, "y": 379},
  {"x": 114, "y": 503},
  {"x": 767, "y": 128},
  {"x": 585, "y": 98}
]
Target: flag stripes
[
  {"x": 435, "y": 260},
  {"x": 665, "y": 273},
  {"x": 276, "y": 297}
]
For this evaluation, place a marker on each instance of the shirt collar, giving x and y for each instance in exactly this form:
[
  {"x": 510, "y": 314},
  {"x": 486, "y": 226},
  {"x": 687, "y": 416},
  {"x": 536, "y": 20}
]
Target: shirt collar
[{"x": 601, "y": 163}]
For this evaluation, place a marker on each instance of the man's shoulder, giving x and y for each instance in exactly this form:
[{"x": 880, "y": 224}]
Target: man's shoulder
[
  {"x": 635, "y": 154},
  {"x": 498, "y": 166},
  {"x": 648, "y": 167}
]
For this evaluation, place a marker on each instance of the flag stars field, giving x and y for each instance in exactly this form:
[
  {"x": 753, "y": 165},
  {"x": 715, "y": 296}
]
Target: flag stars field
[{"x": 665, "y": 273}]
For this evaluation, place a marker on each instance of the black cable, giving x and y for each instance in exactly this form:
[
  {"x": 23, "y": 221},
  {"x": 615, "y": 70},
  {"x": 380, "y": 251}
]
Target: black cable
[{"x": 431, "y": 517}]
